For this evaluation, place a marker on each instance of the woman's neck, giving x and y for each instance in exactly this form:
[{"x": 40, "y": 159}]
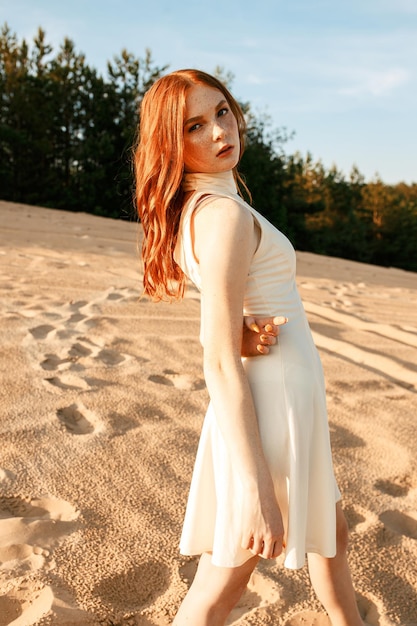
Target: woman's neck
[{"x": 216, "y": 181}]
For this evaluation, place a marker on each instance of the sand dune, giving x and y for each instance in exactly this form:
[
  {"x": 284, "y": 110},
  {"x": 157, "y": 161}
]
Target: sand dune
[{"x": 101, "y": 405}]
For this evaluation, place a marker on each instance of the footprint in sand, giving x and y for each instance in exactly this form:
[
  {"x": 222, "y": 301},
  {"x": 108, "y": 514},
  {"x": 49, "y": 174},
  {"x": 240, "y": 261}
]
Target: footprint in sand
[
  {"x": 69, "y": 319},
  {"x": 54, "y": 362},
  {"x": 308, "y": 618},
  {"x": 180, "y": 381},
  {"x": 68, "y": 382},
  {"x": 260, "y": 592},
  {"x": 343, "y": 438},
  {"x": 21, "y": 558},
  {"x": 401, "y": 523},
  {"x": 111, "y": 357},
  {"x": 79, "y": 350},
  {"x": 76, "y": 318},
  {"x": 29, "y": 529},
  {"x": 65, "y": 325},
  {"x": 111, "y": 296},
  {"x": 369, "y": 610},
  {"x": 85, "y": 349},
  {"x": 122, "y": 294},
  {"x": 43, "y": 508},
  {"x": 25, "y": 605},
  {"x": 81, "y": 354},
  {"x": 78, "y": 420},
  {"x": 42, "y": 331},
  {"x": 80, "y": 315},
  {"x": 67, "y": 356},
  {"x": 396, "y": 487},
  {"x": 115, "y": 296}
]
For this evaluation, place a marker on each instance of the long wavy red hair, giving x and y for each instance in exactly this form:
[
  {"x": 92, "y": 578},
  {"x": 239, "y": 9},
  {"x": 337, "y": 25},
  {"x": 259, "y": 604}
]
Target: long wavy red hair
[{"x": 159, "y": 168}]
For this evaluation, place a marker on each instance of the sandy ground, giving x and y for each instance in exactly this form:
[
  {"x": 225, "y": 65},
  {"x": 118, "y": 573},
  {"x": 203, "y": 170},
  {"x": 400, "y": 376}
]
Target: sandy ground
[{"x": 102, "y": 400}]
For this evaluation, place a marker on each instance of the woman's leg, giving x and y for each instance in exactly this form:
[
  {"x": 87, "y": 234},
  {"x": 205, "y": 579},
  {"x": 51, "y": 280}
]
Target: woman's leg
[
  {"x": 213, "y": 593},
  {"x": 332, "y": 582}
]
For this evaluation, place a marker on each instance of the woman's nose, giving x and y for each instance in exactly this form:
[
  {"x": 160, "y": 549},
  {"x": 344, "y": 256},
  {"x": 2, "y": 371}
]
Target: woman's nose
[{"x": 218, "y": 131}]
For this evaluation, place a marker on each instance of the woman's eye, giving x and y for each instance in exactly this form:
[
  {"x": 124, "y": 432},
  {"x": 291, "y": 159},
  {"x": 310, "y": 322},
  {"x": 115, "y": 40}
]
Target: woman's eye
[
  {"x": 223, "y": 111},
  {"x": 194, "y": 127}
]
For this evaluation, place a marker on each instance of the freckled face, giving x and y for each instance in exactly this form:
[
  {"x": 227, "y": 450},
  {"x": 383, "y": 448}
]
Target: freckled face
[{"x": 211, "y": 134}]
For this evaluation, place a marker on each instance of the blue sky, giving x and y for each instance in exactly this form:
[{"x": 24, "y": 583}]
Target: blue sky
[{"x": 341, "y": 74}]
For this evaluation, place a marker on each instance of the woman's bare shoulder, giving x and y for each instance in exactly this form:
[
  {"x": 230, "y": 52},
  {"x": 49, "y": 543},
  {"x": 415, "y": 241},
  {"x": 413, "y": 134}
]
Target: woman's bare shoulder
[
  {"x": 212, "y": 208},
  {"x": 224, "y": 225}
]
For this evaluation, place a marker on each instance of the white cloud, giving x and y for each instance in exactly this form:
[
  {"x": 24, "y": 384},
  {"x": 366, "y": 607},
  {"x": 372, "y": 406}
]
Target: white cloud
[
  {"x": 251, "y": 43},
  {"x": 377, "y": 83},
  {"x": 254, "y": 79},
  {"x": 399, "y": 6}
]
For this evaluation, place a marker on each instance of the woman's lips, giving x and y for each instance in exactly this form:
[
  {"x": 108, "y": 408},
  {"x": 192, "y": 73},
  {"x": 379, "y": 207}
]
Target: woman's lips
[{"x": 225, "y": 151}]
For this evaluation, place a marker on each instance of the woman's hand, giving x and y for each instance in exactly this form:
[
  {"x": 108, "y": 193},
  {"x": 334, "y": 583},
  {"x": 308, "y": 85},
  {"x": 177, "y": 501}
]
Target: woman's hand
[
  {"x": 259, "y": 333},
  {"x": 263, "y": 530}
]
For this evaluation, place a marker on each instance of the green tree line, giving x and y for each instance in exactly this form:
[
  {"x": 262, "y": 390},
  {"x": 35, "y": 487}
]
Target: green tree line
[{"x": 65, "y": 142}]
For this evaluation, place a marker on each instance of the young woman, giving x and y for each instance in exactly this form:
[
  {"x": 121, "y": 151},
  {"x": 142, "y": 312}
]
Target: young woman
[{"x": 263, "y": 480}]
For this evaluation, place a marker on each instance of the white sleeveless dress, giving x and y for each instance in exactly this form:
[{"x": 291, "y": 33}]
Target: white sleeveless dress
[{"x": 289, "y": 396}]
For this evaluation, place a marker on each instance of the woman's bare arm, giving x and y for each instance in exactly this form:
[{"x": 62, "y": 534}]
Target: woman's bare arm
[{"x": 225, "y": 240}]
